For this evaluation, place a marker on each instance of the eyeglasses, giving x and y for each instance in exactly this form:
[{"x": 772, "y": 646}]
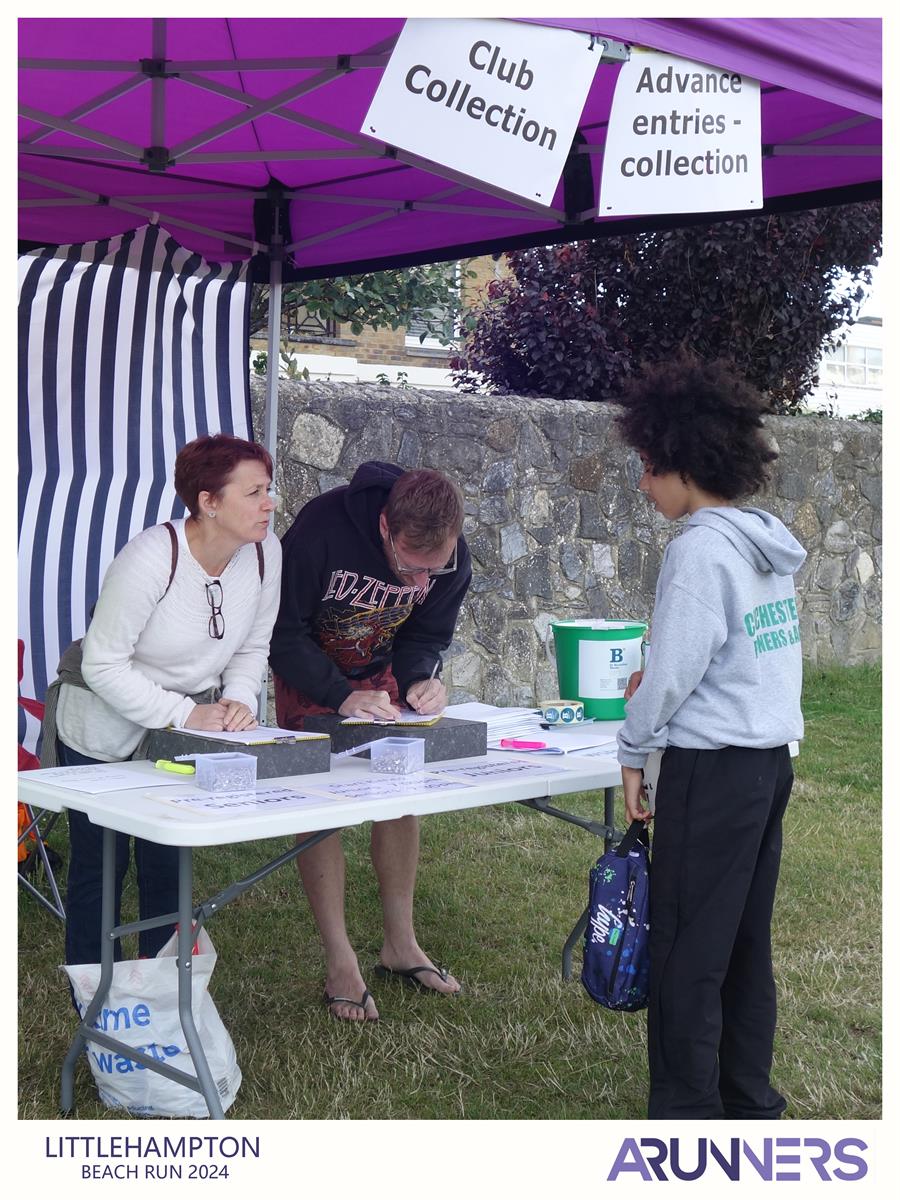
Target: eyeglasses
[
  {"x": 431, "y": 572},
  {"x": 214, "y": 596}
]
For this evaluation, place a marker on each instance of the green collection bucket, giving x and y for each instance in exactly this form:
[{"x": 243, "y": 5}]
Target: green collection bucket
[{"x": 594, "y": 660}]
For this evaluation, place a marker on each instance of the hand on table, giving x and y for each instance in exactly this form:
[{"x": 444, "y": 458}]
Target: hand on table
[
  {"x": 372, "y": 705},
  {"x": 428, "y": 696},
  {"x": 209, "y": 717},
  {"x": 237, "y": 716},
  {"x": 635, "y": 797}
]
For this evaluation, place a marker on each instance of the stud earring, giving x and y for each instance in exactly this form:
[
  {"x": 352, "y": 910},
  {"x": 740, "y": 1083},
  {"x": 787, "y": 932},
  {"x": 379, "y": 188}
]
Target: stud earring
[{"x": 211, "y": 514}]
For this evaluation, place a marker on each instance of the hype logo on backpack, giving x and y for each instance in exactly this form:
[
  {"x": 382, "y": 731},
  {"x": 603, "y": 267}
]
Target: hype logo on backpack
[{"x": 616, "y": 941}]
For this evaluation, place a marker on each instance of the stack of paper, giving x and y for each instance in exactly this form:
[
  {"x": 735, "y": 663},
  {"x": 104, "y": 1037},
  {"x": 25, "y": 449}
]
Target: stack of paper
[
  {"x": 589, "y": 742},
  {"x": 524, "y": 724},
  {"x": 501, "y": 722}
]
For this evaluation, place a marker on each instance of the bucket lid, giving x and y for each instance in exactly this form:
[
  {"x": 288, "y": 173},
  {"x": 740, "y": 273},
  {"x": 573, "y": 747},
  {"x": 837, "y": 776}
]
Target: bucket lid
[{"x": 599, "y": 624}]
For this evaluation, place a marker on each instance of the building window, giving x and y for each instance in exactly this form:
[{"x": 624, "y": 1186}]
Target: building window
[
  {"x": 852, "y": 366},
  {"x": 430, "y": 323},
  {"x": 419, "y": 325},
  {"x": 303, "y": 326}
]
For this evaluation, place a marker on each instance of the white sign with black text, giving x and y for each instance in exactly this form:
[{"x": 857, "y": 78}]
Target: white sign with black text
[
  {"x": 683, "y": 137},
  {"x": 496, "y": 100}
]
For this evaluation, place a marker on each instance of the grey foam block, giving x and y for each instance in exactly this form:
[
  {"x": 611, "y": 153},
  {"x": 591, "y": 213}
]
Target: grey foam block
[
  {"x": 299, "y": 758},
  {"x": 449, "y": 738}
]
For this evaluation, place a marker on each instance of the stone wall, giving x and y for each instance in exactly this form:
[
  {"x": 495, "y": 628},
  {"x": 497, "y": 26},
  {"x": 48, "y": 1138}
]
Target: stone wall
[{"x": 557, "y": 528}]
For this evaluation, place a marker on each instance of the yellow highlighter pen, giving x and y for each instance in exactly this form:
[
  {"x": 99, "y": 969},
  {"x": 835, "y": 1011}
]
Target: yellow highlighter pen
[{"x": 163, "y": 764}]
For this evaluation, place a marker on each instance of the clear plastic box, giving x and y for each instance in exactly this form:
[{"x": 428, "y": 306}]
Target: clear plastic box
[
  {"x": 398, "y": 755},
  {"x": 227, "y": 772}
]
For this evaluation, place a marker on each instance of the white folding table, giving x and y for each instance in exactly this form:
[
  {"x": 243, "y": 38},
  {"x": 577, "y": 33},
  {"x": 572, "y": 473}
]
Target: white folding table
[{"x": 147, "y": 815}]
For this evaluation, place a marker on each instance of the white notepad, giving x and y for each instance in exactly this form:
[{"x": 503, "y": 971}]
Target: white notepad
[
  {"x": 262, "y": 735},
  {"x": 93, "y": 779},
  {"x": 405, "y": 718}
]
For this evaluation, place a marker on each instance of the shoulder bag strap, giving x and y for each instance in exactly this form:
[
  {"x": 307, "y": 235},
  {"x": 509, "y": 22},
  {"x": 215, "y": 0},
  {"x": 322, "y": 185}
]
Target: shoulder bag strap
[
  {"x": 634, "y": 835},
  {"x": 173, "y": 538}
]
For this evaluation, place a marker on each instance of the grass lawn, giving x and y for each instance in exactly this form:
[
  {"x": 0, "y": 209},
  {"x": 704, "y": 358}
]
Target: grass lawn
[{"x": 498, "y": 891}]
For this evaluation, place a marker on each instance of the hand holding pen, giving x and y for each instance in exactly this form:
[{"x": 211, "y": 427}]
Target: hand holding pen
[{"x": 428, "y": 696}]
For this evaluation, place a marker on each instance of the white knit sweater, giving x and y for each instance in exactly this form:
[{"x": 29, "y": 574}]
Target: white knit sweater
[{"x": 145, "y": 654}]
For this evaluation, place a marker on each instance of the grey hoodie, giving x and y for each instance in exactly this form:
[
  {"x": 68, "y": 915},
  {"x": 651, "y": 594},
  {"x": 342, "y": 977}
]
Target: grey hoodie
[{"x": 724, "y": 667}]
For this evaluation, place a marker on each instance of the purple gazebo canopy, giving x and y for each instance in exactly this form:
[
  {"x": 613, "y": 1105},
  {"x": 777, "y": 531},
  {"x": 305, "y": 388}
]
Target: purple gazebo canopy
[{"x": 124, "y": 118}]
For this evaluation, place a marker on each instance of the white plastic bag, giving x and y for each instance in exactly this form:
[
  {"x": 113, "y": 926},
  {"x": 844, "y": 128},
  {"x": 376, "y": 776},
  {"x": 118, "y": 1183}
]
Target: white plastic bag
[{"x": 141, "y": 1010}]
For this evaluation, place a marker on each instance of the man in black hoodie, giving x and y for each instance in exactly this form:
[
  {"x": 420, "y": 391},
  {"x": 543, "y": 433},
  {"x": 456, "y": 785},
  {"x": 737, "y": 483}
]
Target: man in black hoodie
[{"x": 373, "y": 576}]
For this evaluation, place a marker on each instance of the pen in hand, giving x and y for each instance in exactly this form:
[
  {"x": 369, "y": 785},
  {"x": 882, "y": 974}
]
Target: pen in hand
[{"x": 434, "y": 671}]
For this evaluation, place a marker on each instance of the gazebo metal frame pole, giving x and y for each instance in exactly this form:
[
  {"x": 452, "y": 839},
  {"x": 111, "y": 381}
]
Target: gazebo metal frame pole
[
  {"x": 270, "y": 418},
  {"x": 270, "y": 415}
]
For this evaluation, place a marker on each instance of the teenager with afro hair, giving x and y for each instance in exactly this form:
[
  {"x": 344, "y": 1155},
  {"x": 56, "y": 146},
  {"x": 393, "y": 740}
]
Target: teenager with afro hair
[{"x": 720, "y": 698}]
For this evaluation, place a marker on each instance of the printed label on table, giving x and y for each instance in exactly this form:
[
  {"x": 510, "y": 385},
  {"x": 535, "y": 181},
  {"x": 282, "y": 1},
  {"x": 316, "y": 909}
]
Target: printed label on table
[
  {"x": 490, "y": 770},
  {"x": 376, "y": 789},
  {"x": 240, "y": 804}
]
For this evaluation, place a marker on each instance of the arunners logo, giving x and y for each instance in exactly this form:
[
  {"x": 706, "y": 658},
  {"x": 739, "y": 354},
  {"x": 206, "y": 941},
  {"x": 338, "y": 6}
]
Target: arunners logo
[{"x": 778, "y": 1160}]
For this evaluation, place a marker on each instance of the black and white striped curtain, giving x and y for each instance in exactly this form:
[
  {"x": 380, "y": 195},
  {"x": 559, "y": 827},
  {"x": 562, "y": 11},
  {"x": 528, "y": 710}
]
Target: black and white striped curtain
[{"x": 128, "y": 348}]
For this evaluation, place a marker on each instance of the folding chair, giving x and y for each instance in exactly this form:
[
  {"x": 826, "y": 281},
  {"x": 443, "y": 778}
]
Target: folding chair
[{"x": 32, "y": 848}]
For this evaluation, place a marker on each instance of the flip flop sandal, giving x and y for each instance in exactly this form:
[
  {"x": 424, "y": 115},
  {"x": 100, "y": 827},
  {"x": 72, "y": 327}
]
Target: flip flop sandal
[
  {"x": 410, "y": 976},
  {"x": 366, "y": 997}
]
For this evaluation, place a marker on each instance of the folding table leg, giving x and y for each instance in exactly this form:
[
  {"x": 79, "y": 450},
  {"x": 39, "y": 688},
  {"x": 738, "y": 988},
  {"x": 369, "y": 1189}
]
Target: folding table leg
[
  {"x": 571, "y": 941},
  {"x": 184, "y": 962},
  {"x": 107, "y": 956},
  {"x": 609, "y": 814},
  {"x": 55, "y": 906}
]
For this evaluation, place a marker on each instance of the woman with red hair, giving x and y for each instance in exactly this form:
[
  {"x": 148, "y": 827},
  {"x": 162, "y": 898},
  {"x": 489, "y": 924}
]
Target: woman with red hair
[{"x": 179, "y": 636}]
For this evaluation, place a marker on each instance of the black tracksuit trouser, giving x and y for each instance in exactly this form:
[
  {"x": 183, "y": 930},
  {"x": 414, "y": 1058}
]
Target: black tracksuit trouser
[
  {"x": 716, "y": 854},
  {"x": 157, "y": 876}
]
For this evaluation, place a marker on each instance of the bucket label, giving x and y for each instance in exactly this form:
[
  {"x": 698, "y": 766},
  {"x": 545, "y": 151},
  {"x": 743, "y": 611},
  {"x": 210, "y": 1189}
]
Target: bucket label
[{"x": 604, "y": 668}]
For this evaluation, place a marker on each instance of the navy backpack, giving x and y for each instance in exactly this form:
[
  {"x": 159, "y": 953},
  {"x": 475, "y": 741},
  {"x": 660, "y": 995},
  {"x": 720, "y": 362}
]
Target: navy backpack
[{"x": 616, "y": 940}]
